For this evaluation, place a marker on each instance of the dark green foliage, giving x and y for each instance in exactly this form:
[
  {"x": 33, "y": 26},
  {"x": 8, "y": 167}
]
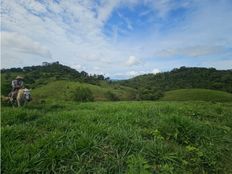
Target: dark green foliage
[
  {"x": 6, "y": 83},
  {"x": 149, "y": 94},
  {"x": 111, "y": 96},
  {"x": 35, "y": 76},
  {"x": 82, "y": 94},
  {"x": 207, "y": 78}
]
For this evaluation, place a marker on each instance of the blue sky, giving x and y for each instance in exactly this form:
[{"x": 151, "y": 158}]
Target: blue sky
[{"x": 117, "y": 38}]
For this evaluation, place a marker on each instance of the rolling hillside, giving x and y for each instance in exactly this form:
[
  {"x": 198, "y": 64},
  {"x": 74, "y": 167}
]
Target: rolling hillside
[
  {"x": 198, "y": 95},
  {"x": 56, "y": 81},
  {"x": 63, "y": 90},
  {"x": 182, "y": 78},
  {"x": 37, "y": 76}
]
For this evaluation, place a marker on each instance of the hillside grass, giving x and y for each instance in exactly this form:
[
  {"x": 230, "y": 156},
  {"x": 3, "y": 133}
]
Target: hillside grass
[
  {"x": 197, "y": 94},
  {"x": 63, "y": 90},
  {"x": 117, "y": 137}
]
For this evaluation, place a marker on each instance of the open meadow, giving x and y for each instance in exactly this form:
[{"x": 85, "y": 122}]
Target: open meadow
[{"x": 117, "y": 137}]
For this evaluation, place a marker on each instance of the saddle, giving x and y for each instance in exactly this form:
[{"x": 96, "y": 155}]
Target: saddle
[{"x": 13, "y": 95}]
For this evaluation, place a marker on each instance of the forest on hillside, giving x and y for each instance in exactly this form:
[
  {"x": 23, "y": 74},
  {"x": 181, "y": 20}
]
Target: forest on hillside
[
  {"x": 151, "y": 86},
  {"x": 36, "y": 76}
]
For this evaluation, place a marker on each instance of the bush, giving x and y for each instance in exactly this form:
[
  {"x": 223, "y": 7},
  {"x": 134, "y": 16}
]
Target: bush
[
  {"x": 83, "y": 94},
  {"x": 111, "y": 96},
  {"x": 152, "y": 94}
]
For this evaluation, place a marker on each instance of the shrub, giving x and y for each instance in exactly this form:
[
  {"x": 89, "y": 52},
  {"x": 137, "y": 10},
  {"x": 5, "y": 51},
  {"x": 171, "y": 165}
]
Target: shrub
[
  {"x": 151, "y": 94},
  {"x": 111, "y": 96},
  {"x": 83, "y": 94}
]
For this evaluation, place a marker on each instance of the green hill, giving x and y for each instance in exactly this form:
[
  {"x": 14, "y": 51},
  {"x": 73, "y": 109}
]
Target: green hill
[
  {"x": 197, "y": 94},
  {"x": 63, "y": 90},
  {"x": 37, "y": 76},
  {"x": 59, "y": 82},
  {"x": 152, "y": 86}
]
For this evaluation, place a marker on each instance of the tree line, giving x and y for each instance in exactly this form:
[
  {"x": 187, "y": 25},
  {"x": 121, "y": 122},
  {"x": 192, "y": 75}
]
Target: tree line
[
  {"x": 35, "y": 76},
  {"x": 153, "y": 86}
]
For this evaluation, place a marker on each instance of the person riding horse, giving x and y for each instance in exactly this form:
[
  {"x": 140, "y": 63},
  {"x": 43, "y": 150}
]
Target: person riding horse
[{"x": 16, "y": 85}]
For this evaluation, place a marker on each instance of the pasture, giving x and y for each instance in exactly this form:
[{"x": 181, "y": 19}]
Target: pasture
[
  {"x": 63, "y": 90},
  {"x": 197, "y": 95},
  {"x": 117, "y": 137}
]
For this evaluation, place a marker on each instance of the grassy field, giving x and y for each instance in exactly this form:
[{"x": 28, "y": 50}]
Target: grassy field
[
  {"x": 117, "y": 137},
  {"x": 197, "y": 95}
]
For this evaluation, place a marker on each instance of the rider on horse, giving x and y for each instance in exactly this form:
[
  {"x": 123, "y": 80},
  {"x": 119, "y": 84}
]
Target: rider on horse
[{"x": 16, "y": 85}]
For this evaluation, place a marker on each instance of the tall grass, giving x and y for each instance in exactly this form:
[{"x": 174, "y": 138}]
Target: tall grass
[{"x": 118, "y": 137}]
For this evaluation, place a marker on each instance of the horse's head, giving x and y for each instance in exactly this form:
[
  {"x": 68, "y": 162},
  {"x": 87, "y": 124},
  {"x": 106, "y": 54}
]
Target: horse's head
[{"x": 27, "y": 94}]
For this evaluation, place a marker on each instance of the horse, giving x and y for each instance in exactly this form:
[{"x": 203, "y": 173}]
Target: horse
[{"x": 23, "y": 96}]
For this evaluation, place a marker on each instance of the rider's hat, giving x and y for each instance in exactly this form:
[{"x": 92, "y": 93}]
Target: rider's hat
[{"x": 19, "y": 78}]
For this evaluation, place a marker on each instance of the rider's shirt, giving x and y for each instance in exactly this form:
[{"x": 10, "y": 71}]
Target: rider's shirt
[{"x": 17, "y": 84}]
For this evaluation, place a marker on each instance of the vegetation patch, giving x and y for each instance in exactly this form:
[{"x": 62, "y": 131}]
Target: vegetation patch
[
  {"x": 197, "y": 94},
  {"x": 83, "y": 94}
]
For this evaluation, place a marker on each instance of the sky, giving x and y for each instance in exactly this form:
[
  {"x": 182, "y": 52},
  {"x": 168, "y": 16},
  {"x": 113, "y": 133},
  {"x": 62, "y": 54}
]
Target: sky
[{"x": 117, "y": 38}]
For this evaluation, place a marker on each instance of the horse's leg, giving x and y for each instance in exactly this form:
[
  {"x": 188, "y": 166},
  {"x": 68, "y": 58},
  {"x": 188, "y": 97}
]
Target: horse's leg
[
  {"x": 12, "y": 102},
  {"x": 18, "y": 102},
  {"x": 24, "y": 103}
]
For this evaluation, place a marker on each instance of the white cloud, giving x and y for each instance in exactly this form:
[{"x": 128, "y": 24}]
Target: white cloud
[
  {"x": 33, "y": 6},
  {"x": 132, "y": 60},
  {"x": 155, "y": 71},
  {"x": 15, "y": 43},
  {"x": 76, "y": 32},
  {"x": 96, "y": 68},
  {"x": 144, "y": 13},
  {"x": 106, "y": 8},
  {"x": 134, "y": 73},
  {"x": 78, "y": 67},
  {"x": 163, "y": 7},
  {"x": 220, "y": 64},
  {"x": 18, "y": 49},
  {"x": 193, "y": 51}
]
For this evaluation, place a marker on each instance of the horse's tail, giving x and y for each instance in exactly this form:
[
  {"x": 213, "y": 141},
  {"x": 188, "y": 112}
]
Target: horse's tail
[{"x": 4, "y": 98}]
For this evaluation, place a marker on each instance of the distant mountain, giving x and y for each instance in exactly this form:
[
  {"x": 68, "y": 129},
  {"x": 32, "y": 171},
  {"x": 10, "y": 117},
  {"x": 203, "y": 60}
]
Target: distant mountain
[{"x": 180, "y": 78}]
